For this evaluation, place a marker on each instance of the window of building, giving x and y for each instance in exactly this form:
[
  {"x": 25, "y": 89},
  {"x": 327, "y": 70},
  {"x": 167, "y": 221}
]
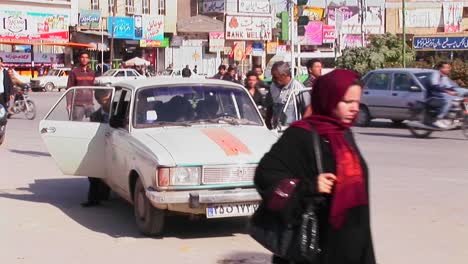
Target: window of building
[
  {"x": 145, "y": 6},
  {"x": 465, "y": 12},
  {"x": 130, "y": 6},
  {"x": 95, "y": 4},
  {"x": 162, "y": 7},
  {"x": 111, "y": 5}
]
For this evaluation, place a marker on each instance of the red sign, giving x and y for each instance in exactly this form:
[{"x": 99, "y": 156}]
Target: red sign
[{"x": 329, "y": 34}]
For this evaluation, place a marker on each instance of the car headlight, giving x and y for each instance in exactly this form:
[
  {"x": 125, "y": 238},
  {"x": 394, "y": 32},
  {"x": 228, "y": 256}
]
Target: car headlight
[
  {"x": 3, "y": 112},
  {"x": 179, "y": 176}
]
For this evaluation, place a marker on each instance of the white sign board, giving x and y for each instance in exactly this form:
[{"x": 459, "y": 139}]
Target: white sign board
[
  {"x": 248, "y": 27},
  {"x": 422, "y": 17},
  {"x": 213, "y": 6},
  {"x": 254, "y": 6}
]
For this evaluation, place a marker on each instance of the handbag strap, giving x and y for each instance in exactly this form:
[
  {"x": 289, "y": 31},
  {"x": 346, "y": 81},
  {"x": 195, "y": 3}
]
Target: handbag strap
[{"x": 317, "y": 152}]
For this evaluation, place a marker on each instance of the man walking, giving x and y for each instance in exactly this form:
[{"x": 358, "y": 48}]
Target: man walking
[
  {"x": 6, "y": 86},
  {"x": 83, "y": 99},
  {"x": 314, "y": 68}
]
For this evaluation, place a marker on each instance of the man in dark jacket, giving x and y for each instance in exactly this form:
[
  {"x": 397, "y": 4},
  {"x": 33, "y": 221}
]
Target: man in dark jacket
[
  {"x": 6, "y": 86},
  {"x": 83, "y": 99},
  {"x": 221, "y": 72}
]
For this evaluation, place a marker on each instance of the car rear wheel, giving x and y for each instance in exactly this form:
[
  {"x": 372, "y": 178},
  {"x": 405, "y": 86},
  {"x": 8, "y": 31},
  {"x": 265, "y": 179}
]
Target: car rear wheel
[
  {"x": 150, "y": 220},
  {"x": 363, "y": 119},
  {"x": 49, "y": 87}
]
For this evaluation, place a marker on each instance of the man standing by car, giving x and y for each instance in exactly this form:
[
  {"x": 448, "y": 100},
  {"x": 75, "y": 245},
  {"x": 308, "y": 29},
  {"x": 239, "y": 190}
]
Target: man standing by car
[
  {"x": 260, "y": 95},
  {"x": 314, "y": 68},
  {"x": 6, "y": 86},
  {"x": 443, "y": 88},
  {"x": 83, "y": 99},
  {"x": 283, "y": 85},
  {"x": 221, "y": 72}
]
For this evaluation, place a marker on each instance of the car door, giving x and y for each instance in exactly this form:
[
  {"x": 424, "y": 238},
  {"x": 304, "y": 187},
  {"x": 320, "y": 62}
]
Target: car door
[
  {"x": 376, "y": 95},
  {"x": 62, "y": 79},
  {"x": 293, "y": 109},
  {"x": 402, "y": 95},
  {"x": 78, "y": 146},
  {"x": 119, "y": 142}
]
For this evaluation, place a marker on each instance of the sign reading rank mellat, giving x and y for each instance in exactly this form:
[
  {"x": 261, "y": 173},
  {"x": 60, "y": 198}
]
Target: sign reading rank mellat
[
  {"x": 440, "y": 43},
  {"x": 248, "y": 27}
]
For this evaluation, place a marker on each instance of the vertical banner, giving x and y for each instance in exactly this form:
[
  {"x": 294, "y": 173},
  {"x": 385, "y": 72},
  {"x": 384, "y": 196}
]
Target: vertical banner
[
  {"x": 238, "y": 50},
  {"x": 453, "y": 16},
  {"x": 216, "y": 43}
]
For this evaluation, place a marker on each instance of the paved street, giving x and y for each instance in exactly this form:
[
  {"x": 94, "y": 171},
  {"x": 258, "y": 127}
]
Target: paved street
[{"x": 418, "y": 194}]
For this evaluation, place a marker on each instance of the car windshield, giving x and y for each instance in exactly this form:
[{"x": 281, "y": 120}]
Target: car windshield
[
  {"x": 109, "y": 73},
  {"x": 424, "y": 78},
  {"x": 54, "y": 73},
  {"x": 191, "y": 105}
]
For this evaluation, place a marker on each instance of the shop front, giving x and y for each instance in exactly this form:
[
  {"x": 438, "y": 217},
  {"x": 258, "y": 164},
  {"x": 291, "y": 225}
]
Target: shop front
[{"x": 441, "y": 46}]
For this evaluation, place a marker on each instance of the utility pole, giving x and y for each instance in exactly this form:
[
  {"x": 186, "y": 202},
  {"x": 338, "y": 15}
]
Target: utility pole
[
  {"x": 403, "y": 11},
  {"x": 292, "y": 33},
  {"x": 114, "y": 10},
  {"x": 363, "y": 12}
]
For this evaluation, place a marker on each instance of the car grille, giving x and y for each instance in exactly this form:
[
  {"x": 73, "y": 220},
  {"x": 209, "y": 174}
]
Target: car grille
[{"x": 228, "y": 174}]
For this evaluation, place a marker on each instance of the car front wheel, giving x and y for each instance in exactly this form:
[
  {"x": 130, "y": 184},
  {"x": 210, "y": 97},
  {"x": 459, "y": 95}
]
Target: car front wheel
[
  {"x": 363, "y": 119},
  {"x": 49, "y": 87},
  {"x": 150, "y": 220}
]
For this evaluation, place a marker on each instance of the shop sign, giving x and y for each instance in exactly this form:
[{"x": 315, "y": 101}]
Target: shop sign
[
  {"x": 24, "y": 57},
  {"x": 212, "y": 6},
  {"x": 216, "y": 41},
  {"x": 25, "y": 25},
  {"x": 329, "y": 34},
  {"x": 352, "y": 41},
  {"x": 422, "y": 17},
  {"x": 254, "y": 6},
  {"x": 257, "y": 49},
  {"x": 154, "y": 43},
  {"x": 440, "y": 43},
  {"x": 248, "y": 27},
  {"x": 238, "y": 50},
  {"x": 124, "y": 27},
  {"x": 153, "y": 27},
  {"x": 314, "y": 13},
  {"x": 453, "y": 16},
  {"x": 272, "y": 47},
  {"x": 281, "y": 50},
  {"x": 89, "y": 18},
  {"x": 313, "y": 33}
]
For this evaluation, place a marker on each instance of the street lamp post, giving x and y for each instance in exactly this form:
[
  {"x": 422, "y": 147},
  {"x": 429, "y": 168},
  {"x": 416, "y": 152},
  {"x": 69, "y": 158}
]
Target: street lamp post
[{"x": 403, "y": 9}]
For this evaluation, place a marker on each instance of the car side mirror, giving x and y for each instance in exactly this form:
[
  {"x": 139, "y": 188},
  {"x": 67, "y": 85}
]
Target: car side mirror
[{"x": 415, "y": 89}]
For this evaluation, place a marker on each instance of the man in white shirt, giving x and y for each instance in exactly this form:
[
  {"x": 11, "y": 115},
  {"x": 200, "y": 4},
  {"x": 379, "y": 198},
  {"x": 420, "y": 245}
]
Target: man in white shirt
[{"x": 6, "y": 85}]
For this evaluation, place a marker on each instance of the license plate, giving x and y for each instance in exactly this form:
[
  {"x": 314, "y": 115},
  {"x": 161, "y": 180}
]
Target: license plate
[{"x": 231, "y": 210}]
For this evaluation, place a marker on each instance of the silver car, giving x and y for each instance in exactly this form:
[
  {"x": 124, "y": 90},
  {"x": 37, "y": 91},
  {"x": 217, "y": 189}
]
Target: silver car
[{"x": 389, "y": 92}]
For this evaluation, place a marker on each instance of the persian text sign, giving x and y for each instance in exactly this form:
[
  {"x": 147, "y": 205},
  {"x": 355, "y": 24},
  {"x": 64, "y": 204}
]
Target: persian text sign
[
  {"x": 212, "y": 6},
  {"x": 216, "y": 41},
  {"x": 329, "y": 34},
  {"x": 153, "y": 27},
  {"x": 440, "y": 43},
  {"x": 24, "y": 25},
  {"x": 124, "y": 27},
  {"x": 271, "y": 47},
  {"x": 254, "y": 6},
  {"x": 248, "y": 27},
  {"x": 25, "y": 57},
  {"x": 89, "y": 18}
]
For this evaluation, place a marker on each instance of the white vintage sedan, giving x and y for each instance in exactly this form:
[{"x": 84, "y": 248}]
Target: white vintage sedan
[{"x": 171, "y": 144}]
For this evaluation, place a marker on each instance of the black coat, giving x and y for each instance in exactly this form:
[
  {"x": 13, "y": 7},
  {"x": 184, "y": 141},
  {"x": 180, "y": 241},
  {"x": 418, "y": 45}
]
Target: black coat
[{"x": 293, "y": 157}]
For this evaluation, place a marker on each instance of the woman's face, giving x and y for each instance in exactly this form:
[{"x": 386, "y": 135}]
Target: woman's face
[{"x": 348, "y": 108}]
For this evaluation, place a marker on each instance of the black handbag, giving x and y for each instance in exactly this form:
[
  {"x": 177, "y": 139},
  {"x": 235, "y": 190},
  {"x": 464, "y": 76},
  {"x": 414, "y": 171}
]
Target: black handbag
[{"x": 291, "y": 241}]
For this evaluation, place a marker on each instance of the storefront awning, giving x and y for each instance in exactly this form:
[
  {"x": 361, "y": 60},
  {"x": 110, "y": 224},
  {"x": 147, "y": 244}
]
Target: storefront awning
[
  {"x": 62, "y": 44},
  {"x": 199, "y": 24}
]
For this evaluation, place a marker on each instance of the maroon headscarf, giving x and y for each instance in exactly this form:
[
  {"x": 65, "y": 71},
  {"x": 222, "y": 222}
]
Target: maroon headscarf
[{"x": 349, "y": 190}]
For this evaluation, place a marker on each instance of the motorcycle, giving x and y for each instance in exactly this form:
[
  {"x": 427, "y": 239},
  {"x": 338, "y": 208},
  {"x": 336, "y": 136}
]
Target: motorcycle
[
  {"x": 3, "y": 122},
  {"x": 424, "y": 114},
  {"x": 23, "y": 103}
]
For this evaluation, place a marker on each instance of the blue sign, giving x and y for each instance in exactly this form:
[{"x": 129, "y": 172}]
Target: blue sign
[
  {"x": 440, "y": 43},
  {"x": 124, "y": 27}
]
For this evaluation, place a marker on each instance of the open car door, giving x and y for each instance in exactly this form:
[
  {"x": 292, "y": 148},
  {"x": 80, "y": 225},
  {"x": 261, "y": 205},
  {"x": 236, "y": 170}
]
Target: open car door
[
  {"x": 75, "y": 128},
  {"x": 292, "y": 110}
]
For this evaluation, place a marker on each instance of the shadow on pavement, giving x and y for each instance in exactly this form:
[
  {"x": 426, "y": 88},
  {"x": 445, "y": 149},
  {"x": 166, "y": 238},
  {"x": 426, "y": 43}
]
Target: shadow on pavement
[
  {"x": 115, "y": 217},
  {"x": 30, "y": 153},
  {"x": 407, "y": 136},
  {"x": 246, "y": 258}
]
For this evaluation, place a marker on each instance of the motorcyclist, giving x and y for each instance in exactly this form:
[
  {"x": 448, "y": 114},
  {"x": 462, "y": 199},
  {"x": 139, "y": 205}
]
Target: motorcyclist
[{"x": 442, "y": 89}]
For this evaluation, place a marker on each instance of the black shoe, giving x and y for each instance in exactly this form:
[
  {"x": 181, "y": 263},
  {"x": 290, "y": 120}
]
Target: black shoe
[{"x": 90, "y": 204}]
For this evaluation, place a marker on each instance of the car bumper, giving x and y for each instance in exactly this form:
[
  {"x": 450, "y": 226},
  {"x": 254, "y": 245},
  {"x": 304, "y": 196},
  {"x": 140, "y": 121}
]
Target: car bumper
[{"x": 199, "y": 199}]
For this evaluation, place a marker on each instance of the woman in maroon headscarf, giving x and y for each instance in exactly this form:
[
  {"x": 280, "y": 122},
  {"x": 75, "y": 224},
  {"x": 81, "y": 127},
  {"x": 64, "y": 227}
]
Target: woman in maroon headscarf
[{"x": 345, "y": 235}]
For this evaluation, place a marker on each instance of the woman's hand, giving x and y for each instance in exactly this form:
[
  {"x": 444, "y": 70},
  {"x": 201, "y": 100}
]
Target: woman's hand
[{"x": 325, "y": 182}]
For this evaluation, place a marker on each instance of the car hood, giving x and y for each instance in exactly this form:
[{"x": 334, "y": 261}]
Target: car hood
[{"x": 205, "y": 145}]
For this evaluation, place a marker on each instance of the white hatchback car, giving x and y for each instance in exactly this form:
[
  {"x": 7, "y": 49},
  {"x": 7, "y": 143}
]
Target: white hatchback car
[
  {"x": 172, "y": 144},
  {"x": 55, "y": 79},
  {"x": 117, "y": 75}
]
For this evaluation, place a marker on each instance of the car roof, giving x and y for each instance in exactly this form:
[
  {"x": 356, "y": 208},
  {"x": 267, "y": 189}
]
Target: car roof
[
  {"x": 412, "y": 70},
  {"x": 166, "y": 80}
]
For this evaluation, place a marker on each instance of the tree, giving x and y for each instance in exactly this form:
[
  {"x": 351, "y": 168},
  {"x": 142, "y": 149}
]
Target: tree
[{"x": 384, "y": 51}]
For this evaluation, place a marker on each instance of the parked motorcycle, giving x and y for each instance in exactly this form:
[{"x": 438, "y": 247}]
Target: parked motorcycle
[
  {"x": 3, "y": 122},
  {"x": 425, "y": 114},
  {"x": 23, "y": 103}
]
